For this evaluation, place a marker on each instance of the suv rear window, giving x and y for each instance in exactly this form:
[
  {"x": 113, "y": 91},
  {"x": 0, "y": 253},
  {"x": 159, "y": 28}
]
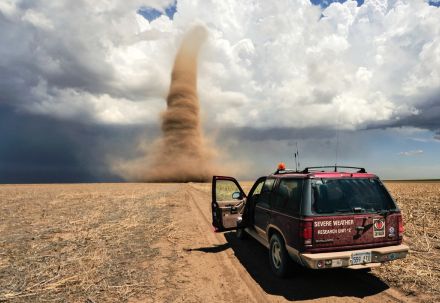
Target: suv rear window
[{"x": 349, "y": 195}]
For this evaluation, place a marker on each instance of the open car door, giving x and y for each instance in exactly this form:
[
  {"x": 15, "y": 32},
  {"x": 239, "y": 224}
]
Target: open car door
[{"x": 228, "y": 201}]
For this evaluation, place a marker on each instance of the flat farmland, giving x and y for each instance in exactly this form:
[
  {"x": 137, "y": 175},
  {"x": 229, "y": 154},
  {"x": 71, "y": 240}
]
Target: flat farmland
[
  {"x": 133, "y": 242},
  {"x": 419, "y": 273}
]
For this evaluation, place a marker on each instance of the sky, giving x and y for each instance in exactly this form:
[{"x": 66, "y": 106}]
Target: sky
[{"x": 82, "y": 84}]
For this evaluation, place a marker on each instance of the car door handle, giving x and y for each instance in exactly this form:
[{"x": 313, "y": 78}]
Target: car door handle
[{"x": 234, "y": 210}]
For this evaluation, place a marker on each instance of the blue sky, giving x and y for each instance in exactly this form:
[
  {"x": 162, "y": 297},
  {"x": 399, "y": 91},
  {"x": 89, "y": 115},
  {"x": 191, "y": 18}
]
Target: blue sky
[
  {"x": 325, "y": 3},
  {"x": 151, "y": 13},
  {"x": 87, "y": 97}
]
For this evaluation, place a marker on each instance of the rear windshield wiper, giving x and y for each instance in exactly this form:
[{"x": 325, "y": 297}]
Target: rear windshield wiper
[
  {"x": 342, "y": 210},
  {"x": 358, "y": 209},
  {"x": 384, "y": 212},
  {"x": 353, "y": 210}
]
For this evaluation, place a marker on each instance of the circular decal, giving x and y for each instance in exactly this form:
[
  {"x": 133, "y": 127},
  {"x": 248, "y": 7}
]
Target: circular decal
[
  {"x": 379, "y": 224},
  {"x": 391, "y": 230}
]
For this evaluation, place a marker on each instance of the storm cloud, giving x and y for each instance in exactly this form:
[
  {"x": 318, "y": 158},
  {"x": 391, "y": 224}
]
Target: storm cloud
[
  {"x": 41, "y": 149},
  {"x": 86, "y": 80}
]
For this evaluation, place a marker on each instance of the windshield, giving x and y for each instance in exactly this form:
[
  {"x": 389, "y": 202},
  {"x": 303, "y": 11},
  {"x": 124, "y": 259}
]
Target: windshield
[{"x": 350, "y": 195}]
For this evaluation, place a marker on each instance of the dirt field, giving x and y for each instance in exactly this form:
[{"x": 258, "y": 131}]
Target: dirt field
[
  {"x": 153, "y": 243},
  {"x": 418, "y": 274}
]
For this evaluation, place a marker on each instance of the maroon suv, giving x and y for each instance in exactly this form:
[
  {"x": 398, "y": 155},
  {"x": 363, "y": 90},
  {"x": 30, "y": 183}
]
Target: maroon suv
[{"x": 315, "y": 217}]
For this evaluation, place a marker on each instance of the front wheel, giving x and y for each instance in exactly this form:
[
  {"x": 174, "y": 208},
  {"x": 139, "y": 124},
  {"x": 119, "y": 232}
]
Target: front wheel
[{"x": 278, "y": 257}]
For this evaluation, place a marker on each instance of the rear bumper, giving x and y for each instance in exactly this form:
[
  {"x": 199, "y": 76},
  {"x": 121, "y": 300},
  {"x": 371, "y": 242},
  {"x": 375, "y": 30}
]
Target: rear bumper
[{"x": 344, "y": 258}]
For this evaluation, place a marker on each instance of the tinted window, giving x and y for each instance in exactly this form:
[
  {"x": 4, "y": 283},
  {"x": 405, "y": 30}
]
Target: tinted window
[
  {"x": 268, "y": 184},
  {"x": 288, "y": 196},
  {"x": 255, "y": 191},
  {"x": 265, "y": 194},
  {"x": 347, "y": 195}
]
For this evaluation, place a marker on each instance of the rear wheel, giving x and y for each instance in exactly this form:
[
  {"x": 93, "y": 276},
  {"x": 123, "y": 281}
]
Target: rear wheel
[{"x": 279, "y": 259}]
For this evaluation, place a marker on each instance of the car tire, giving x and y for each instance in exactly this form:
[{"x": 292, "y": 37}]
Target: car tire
[
  {"x": 240, "y": 233},
  {"x": 279, "y": 259}
]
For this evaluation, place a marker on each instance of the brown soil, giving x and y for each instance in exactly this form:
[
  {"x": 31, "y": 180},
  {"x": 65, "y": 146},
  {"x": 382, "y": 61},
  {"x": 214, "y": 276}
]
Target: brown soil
[
  {"x": 419, "y": 273},
  {"x": 146, "y": 243}
]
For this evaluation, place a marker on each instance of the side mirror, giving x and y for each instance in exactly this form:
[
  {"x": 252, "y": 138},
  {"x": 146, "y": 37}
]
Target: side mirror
[{"x": 237, "y": 195}]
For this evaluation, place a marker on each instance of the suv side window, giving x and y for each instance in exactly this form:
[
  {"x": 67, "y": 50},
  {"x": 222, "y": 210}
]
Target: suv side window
[
  {"x": 254, "y": 193},
  {"x": 266, "y": 190},
  {"x": 287, "y": 197},
  {"x": 257, "y": 190}
]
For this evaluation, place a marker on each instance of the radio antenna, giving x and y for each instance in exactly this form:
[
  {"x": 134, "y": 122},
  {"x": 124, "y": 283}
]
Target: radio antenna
[
  {"x": 296, "y": 163},
  {"x": 296, "y": 155},
  {"x": 337, "y": 139}
]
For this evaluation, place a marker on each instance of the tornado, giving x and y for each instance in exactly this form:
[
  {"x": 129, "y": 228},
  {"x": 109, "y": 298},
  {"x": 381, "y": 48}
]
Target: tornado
[{"x": 182, "y": 153}]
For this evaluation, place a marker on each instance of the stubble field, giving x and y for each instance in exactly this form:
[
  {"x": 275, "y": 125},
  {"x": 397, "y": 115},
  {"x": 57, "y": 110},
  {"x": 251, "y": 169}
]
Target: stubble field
[
  {"x": 419, "y": 273},
  {"x": 152, "y": 243}
]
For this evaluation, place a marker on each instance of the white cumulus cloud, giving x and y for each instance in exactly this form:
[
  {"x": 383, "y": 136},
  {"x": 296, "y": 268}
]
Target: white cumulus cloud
[{"x": 266, "y": 64}]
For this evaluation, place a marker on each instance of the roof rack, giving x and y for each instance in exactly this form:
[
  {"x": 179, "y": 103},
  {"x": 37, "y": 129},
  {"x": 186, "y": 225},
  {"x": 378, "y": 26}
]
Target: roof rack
[
  {"x": 286, "y": 171},
  {"x": 334, "y": 167}
]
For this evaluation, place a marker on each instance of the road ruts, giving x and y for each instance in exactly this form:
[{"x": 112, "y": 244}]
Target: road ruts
[{"x": 230, "y": 266}]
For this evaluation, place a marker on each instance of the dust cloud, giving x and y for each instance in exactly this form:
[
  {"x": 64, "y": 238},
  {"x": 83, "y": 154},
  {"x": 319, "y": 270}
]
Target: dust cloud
[{"x": 181, "y": 154}]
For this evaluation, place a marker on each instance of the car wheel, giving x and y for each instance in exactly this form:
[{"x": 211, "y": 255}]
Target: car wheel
[
  {"x": 278, "y": 257},
  {"x": 240, "y": 233}
]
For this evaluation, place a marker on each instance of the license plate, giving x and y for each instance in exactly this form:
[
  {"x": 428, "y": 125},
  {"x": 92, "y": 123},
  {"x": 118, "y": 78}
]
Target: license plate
[{"x": 360, "y": 258}]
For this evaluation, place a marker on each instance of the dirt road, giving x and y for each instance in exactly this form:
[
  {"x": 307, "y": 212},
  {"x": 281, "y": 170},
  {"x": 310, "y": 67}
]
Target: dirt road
[{"x": 145, "y": 243}]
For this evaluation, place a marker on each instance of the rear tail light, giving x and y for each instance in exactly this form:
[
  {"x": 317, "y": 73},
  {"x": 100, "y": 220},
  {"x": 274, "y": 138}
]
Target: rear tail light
[
  {"x": 306, "y": 232},
  {"x": 401, "y": 228}
]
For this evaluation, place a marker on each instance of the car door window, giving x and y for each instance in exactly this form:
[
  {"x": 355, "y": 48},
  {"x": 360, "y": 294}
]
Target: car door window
[
  {"x": 287, "y": 196},
  {"x": 225, "y": 190},
  {"x": 257, "y": 190},
  {"x": 266, "y": 190}
]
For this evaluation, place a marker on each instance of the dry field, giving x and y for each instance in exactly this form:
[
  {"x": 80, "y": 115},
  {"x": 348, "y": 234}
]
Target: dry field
[
  {"x": 152, "y": 243},
  {"x": 420, "y": 272},
  {"x": 75, "y": 243}
]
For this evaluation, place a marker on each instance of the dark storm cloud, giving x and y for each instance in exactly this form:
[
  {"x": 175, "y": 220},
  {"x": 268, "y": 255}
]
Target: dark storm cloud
[
  {"x": 277, "y": 134},
  {"x": 427, "y": 117},
  {"x": 42, "y": 149},
  {"x": 38, "y": 46},
  {"x": 30, "y": 54}
]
